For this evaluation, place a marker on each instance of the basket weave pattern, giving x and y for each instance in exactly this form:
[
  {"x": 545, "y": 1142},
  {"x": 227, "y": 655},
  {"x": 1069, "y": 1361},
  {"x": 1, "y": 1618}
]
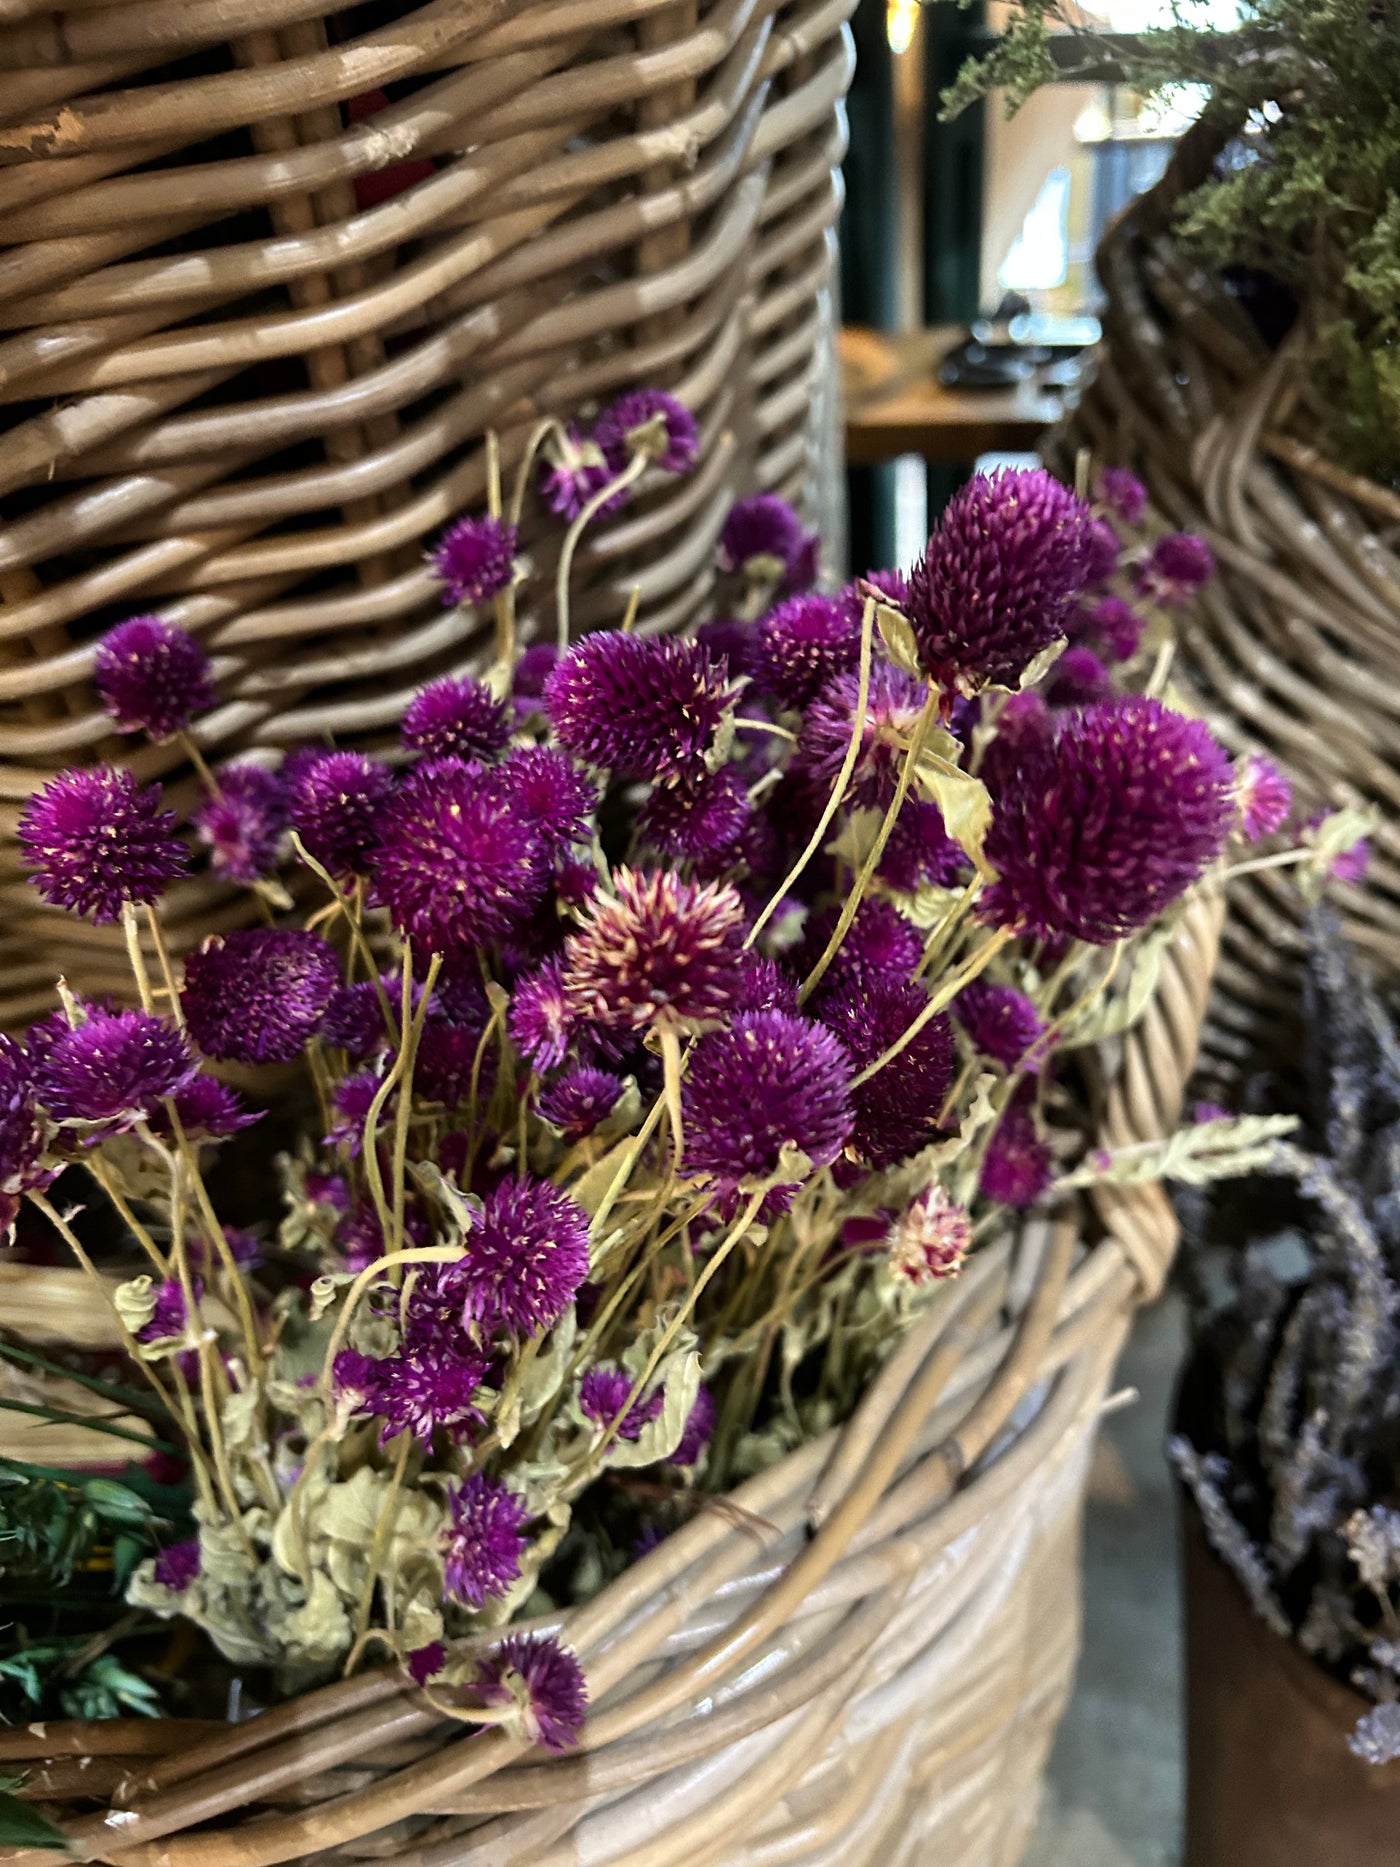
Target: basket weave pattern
[
  {"x": 268, "y": 277},
  {"x": 861, "y": 1659},
  {"x": 1294, "y": 648}
]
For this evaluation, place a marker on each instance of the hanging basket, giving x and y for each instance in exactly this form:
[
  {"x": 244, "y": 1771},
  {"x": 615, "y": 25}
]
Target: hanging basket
[
  {"x": 1293, "y": 650},
  {"x": 859, "y": 1657},
  {"x": 270, "y": 275}
]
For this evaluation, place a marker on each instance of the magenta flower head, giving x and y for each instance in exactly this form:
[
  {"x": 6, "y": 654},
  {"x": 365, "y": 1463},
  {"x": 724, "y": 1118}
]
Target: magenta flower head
[
  {"x": 484, "y": 1540},
  {"x": 113, "y": 1069},
  {"x": 455, "y": 717},
  {"x": 1078, "y": 679},
  {"x": 893, "y": 706},
  {"x": 1175, "y": 570},
  {"x": 920, "y": 850},
  {"x": 1116, "y": 627},
  {"x": 771, "y": 1081},
  {"x": 1001, "y": 1023},
  {"x": 447, "y": 1053},
  {"x": 638, "y": 706},
  {"x": 650, "y": 423},
  {"x": 177, "y": 1566},
  {"x": 896, "y": 1109},
  {"x": 525, "y": 1259},
  {"x": 152, "y": 677},
  {"x": 1018, "y": 1166},
  {"x": 354, "y": 1020},
  {"x": 890, "y": 587},
  {"x": 699, "y": 1426},
  {"x": 337, "y": 804},
  {"x": 531, "y": 672},
  {"x": 552, "y": 793},
  {"x": 1124, "y": 494},
  {"x": 259, "y": 994},
  {"x": 474, "y": 558},
  {"x": 242, "y": 823},
  {"x": 763, "y": 540},
  {"x": 542, "y": 1021},
  {"x": 208, "y": 1110},
  {"x": 1100, "y": 827},
  {"x": 170, "y": 1316},
  {"x": 575, "y": 470},
  {"x": 697, "y": 819},
  {"x": 1265, "y": 797},
  {"x": 429, "y": 1388},
  {"x": 95, "y": 841},
  {"x": 999, "y": 579},
  {"x": 578, "y": 1100},
  {"x": 930, "y": 1240},
  {"x": 21, "y": 1140},
  {"x": 1350, "y": 864},
  {"x": 543, "y": 1683},
  {"x": 804, "y": 643},
  {"x": 1104, "y": 551},
  {"x": 658, "y": 951},
  {"x": 458, "y": 863},
  {"x": 602, "y": 1394},
  {"x": 879, "y": 944}
]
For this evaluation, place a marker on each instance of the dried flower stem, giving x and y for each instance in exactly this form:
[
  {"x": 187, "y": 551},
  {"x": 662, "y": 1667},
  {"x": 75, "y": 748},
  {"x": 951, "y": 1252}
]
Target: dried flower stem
[
  {"x": 391, "y": 1262},
  {"x": 504, "y": 600},
  {"x": 413, "y": 1031},
  {"x": 357, "y": 932},
  {"x": 629, "y": 476},
  {"x": 539, "y": 434},
  {"x": 838, "y": 790},
  {"x": 137, "y": 958}
]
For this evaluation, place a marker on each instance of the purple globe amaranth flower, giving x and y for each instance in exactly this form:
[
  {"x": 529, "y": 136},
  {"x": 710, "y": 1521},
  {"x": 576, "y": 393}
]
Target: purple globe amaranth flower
[
  {"x": 1176, "y": 569},
  {"x": 458, "y": 863},
  {"x": 483, "y": 1540},
  {"x": 893, "y": 706},
  {"x": 1018, "y": 1166},
  {"x": 21, "y": 1139},
  {"x": 557, "y": 798},
  {"x": 890, "y": 587},
  {"x": 578, "y": 1100},
  {"x": 804, "y": 643},
  {"x": 879, "y": 944},
  {"x": 351, "y": 1103},
  {"x": 1209, "y": 1112},
  {"x": 455, "y": 717},
  {"x": 659, "y": 951},
  {"x": 526, "y": 1257},
  {"x": 242, "y": 823},
  {"x": 544, "y": 1685},
  {"x": 354, "y": 1019},
  {"x": 95, "y": 841},
  {"x": 1265, "y": 797},
  {"x": 474, "y": 558},
  {"x": 764, "y": 986},
  {"x": 771, "y": 1081},
  {"x": 446, "y": 1060},
  {"x": 207, "y": 1109},
  {"x": 425, "y": 1663},
  {"x": 531, "y": 672},
  {"x": 337, "y": 805},
  {"x": 1350, "y": 864},
  {"x": 424, "y": 1390},
  {"x": 575, "y": 470},
  {"x": 602, "y": 1395},
  {"x": 1124, "y": 494},
  {"x": 113, "y": 1069},
  {"x": 920, "y": 851},
  {"x": 999, "y": 579},
  {"x": 1115, "y": 625},
  {"x": 650, "y": 423},
  {"x": 731, "y": 639},
  {"x": 697, "y": 1431},
  {"x": 177, "y": 1565},
  {"x": 896, "y": 1109},
  {"x": 1078, "y": 679},
  {"x": 170, "y": 1317},
  {"x": 1001, "y": 1023},
  {"x": 259, "y": 994},
  {"x": 698, "y": 818},
  {"x": 639, "y": 706},
  {"x": 930, "y": 1239},
  {"x": 1104, "y": 551},
  {"x": 764, "y": 540},
  {"x": 542, "y": 1021},
  {"x": 152, "y": 677},
  {"x": 1099, "y": 828}
]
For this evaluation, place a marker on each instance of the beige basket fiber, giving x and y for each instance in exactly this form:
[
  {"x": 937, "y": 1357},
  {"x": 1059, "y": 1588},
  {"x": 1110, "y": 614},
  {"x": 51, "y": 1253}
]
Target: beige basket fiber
[
  {"x": 862, "y": 1663},
  {"x": 1294, "y": 649},
  {"x": 239, "y": 387}
]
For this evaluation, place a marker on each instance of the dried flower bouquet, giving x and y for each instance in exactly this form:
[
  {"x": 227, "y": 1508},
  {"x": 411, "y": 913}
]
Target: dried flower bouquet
[{"x": 673, "y": 1016}]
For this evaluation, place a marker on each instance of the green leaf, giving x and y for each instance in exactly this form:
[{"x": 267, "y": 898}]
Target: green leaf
[{"x": 22, "y": 1826}]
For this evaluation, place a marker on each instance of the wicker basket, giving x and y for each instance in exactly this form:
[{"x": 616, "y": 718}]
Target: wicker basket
[
  {"x": 862, "y": 1660},
  {"x": 1294, "y": 649},
  {"x": 271, "y": 273}
]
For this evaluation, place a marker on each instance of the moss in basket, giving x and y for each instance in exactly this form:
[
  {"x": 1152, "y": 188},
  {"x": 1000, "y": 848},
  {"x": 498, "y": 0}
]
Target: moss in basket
[
  {"x": 669, "y": 1037},
  {"x": 1307, "y": 193}
]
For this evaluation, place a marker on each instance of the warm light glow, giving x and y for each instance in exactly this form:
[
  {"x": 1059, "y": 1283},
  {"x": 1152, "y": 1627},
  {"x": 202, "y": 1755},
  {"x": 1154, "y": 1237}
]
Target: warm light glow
[{"x": 901, "y": 17}]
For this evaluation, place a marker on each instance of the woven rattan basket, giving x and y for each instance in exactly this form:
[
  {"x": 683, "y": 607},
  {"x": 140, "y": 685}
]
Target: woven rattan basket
[
  {"x": 268, "y": 275},
  {"x": 862, "y": 1660},
  {"x": 1294, "y": 649}
]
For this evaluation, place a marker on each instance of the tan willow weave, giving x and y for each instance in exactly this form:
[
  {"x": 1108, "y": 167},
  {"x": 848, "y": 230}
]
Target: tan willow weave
[
  {"x": 862, "y": 1662},
  {"x": 1294, "y": 650},
  {"x": 243, "y": 386}
]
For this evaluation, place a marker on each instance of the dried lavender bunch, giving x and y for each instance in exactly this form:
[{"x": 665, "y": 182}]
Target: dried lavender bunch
[
  {"x": 1296, "y": 1460},
  {"x": 674, "y": 1016}
]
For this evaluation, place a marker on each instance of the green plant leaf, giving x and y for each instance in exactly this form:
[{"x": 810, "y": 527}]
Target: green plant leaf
[{"x": 22, "y": 1826}]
